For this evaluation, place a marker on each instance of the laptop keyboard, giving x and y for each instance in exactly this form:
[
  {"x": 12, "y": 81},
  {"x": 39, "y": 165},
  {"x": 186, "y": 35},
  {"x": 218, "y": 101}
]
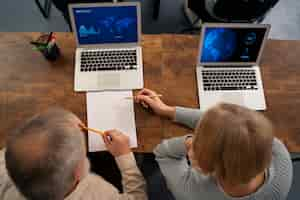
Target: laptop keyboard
[
  {"x": 108, "y": 60},
  {"x": 241, "y": 79}
]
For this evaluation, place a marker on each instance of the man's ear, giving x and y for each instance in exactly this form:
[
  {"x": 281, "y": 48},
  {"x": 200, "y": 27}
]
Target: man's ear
[{"x": 78, "y": 171}]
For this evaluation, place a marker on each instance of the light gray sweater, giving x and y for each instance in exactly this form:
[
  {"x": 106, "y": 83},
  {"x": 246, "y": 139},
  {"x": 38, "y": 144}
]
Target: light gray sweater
[{"x": 187, "y": 183}]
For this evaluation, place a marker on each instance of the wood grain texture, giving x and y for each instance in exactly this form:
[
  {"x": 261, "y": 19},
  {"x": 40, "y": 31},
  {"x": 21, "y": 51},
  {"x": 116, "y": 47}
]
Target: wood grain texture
[{"x": 30, "y": 84}]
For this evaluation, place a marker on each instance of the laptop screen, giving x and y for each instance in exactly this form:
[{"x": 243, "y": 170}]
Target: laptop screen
[
  {"x": 223, "y": 44},
  {"x": 106, "y": 25}
]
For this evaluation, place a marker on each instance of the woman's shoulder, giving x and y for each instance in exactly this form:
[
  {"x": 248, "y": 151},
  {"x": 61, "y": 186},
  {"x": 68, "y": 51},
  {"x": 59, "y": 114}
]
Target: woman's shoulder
[
  {"x": 280, "y": 151},
  {"x": 280, "y": 171}
]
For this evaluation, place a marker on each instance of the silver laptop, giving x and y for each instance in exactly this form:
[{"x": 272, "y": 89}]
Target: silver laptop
[
  {"x": 228, "y": 65},
  {"x": 108, "y": 54}
]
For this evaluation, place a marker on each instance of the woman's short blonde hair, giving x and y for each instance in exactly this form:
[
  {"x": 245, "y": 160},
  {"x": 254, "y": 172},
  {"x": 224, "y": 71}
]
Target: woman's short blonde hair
[{"x": 233, "y": 143}]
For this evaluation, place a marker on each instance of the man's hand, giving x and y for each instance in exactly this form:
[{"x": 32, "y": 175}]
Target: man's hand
[
  {"x": 145, "y": 96},
  {"x": 116, "y": 143}
]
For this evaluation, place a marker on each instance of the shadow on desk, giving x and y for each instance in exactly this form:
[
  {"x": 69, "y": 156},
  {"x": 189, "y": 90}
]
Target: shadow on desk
[{"x": 103, "y": 164}]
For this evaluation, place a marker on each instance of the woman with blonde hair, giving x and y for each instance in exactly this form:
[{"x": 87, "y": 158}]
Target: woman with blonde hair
[{"x": 232, "y": 154}]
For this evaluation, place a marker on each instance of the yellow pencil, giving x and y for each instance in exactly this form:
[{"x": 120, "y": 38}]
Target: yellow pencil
[
  {"x": 153, "y": 96},
  {"x": 91, "y": 129}
]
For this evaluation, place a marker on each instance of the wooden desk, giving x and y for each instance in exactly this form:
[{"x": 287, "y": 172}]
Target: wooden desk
[{"x": 30, "y": 84}]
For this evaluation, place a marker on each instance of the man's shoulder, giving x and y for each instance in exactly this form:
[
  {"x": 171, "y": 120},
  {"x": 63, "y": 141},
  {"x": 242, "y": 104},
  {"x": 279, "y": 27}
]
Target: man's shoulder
[
  {"x": 93, "y": 178},
  {"x": 92, "y": 186},
  {"x": 3, "y": 171},
  {"x": 7, "y": 188},
  {"x": 2, "y": 155}
]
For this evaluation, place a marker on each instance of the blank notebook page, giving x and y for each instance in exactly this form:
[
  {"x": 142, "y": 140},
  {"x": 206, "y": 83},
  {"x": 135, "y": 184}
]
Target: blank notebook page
[{"x": 110, "y": 110}]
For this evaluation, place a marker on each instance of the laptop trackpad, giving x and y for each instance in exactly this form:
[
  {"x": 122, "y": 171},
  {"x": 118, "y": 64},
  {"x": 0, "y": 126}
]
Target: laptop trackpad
[
  {"x": 109, "y": 81},
  {"x": 234, "y": 98}
]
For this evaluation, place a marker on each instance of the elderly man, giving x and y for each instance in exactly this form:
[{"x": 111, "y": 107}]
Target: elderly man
[{"x": 46, "y": 159}]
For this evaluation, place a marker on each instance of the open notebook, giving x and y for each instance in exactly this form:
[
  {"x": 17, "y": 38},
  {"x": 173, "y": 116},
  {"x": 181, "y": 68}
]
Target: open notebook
[{"x": 110, "y": 110}]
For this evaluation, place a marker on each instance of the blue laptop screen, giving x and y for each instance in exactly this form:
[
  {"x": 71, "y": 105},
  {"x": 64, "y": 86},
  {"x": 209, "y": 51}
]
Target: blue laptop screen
[
  {"x": 232, "y": 44},
  {"x": 102, "y": 25}
]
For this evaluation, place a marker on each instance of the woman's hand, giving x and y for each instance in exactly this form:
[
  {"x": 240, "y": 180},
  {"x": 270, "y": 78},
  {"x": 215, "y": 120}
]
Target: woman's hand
[{"x": 150, "y": 98}]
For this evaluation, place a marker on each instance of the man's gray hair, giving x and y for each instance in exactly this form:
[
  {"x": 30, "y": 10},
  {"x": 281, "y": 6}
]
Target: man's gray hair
[{"x": 42, "y": 155}]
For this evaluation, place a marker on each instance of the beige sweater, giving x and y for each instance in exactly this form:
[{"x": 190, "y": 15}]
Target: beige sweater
[{"x": 91, "y": 187}]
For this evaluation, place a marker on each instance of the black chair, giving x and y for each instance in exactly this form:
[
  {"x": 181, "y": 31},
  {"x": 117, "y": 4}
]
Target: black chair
[
  {"x": 45, "y": 8},
  {"x": 227, "y": 11},
  {"x": 156, "y": 9},
  {"x": 294, "y": 193},
  {"x": 156, "y": 186},
  {"x": 232, "y": 11}
]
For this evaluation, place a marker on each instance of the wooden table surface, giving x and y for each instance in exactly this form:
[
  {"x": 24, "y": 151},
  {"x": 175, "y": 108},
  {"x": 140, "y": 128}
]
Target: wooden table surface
[{"x": 29, "y": 84}]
